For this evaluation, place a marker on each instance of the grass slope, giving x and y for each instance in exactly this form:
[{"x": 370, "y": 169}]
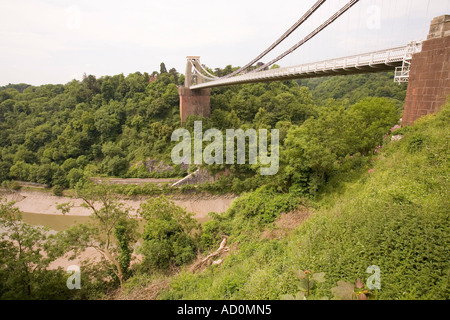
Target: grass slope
[{"x": 395, "y": 217}]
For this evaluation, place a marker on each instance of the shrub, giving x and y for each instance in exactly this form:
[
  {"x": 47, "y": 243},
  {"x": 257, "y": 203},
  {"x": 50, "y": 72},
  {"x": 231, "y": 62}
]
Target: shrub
[
  {"x": 13, "y": 185},
  {"x": 58, "y": 190},
  {"x": 169, "y": 234},
  {"x": 212, "y": 234},
  {"x": 253, "y": 211},
  {"x": 395, "y": 218},
  {"x": 74, "y": 176}
]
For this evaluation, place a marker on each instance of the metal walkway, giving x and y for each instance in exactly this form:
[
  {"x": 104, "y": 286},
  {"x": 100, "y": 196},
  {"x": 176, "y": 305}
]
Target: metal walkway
[{"x": 391, "y": 59}]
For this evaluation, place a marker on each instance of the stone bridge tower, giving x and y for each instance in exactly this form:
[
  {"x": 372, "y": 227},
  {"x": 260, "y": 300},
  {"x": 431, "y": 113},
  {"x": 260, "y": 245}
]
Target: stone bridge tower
[
  {"x": 194, "y": 102},
  {"x": 429, "y": 78}
]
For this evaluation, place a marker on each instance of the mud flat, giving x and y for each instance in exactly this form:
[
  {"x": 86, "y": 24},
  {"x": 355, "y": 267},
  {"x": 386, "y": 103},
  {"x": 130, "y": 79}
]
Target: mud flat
[{"x": 39, "y": 202}]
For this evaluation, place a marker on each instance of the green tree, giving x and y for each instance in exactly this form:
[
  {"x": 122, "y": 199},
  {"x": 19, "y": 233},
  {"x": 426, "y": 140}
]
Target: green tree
[
  {"x": 162, "y": 68},
  {"x": 318, "y": 147},
  {"x": 23, "y": 154},
  {"x": 20, "y": 170},
  {"x": 25, "y": 253},
  {"x": 169, "y": 234},
  {"x": 4, "y": 170},
  {"x": 115, "y": 166},
  {"x": 108, "y": 89},
  {"x": 108, "y": 124},
  {"x": 171, "y": 96},
  {"x": 156, "y": 107},
  {"x": 69, "y": 164},
  {"x": 124, "y": 232},
  {"x": 175, "y": 74},
  {"x": 114, "y": 163},
  {"x": 112, "y": 231},
  {"x": 44, "y": 174},
  {"x": 371, "y": 119},
  {"x": 74, "y": 176}
]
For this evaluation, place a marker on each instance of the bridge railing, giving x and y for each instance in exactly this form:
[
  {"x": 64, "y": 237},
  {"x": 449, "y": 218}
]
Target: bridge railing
[{"x": 390, "y": 57}]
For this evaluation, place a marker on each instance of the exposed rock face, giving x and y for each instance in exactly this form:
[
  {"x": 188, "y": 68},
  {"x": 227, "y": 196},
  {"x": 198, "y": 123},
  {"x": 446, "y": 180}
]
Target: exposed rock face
[{"x": 154, "y": 165}]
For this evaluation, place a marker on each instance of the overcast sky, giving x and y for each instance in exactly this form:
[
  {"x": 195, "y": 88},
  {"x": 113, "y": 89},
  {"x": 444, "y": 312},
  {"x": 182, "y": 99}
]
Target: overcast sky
[{"x": 55, "y": 41}]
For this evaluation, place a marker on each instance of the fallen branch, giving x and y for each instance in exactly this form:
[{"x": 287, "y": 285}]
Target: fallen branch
[{"x": 211, "y": 257}]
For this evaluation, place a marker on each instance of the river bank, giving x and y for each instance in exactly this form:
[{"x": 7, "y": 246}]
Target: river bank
[{"x": 40, "y": 208}]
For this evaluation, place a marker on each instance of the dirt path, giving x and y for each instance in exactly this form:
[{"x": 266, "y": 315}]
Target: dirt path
[{"x": 137, "y": 181}]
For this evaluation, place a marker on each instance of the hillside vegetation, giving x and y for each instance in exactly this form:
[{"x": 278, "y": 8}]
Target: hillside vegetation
[
  {"x": 395, "y": 217},
  {"x": 353, "y": 190},
  {"x": 58, "y": 135}
]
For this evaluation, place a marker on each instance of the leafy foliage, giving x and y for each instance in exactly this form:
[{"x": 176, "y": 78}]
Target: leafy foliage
[
  {"x": 251, "y": 211},
  {"x": 308, "y": 281},
  {"x": 355, "y": 88},
  {"x": 395, "y": 217},
  {"x": 112, "y": 232},
  {"x": 169, "y": 238},
  {"x": 26, "y": 252},
  {"x": 378, "y": 202},
  {"x": 347, "y": 291},
  {"x": 58, "y": 134},
  {"x": 324, "y": 145}
]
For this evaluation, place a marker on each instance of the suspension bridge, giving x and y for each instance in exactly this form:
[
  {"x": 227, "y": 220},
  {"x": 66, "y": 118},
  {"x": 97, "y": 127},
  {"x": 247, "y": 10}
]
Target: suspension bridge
[
  {"x": 384, "y": 60},
  {"x": 425, "y": 63}
]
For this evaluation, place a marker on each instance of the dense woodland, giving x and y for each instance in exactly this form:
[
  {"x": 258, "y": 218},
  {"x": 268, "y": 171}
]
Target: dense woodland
[
  {"x": 371, "y": 201},
  {"x": 59, "y": 134}
]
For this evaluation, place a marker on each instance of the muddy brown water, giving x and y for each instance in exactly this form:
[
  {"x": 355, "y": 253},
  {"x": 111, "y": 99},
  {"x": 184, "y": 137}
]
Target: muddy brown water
[
  {"x": 53, "y": 221},
  {"x": 61, "y": 222}
]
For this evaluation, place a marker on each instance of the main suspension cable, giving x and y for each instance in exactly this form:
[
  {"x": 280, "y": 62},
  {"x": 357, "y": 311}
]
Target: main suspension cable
[
  {"x": 311, "y": 35},
  {"x": 207, "y": 72},
  {"x": 283, "y": 37},
  {"x": 199, "y": 73}
]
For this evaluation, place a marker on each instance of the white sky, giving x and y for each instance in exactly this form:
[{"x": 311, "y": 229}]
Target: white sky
[{"x": 55, "y": 41}]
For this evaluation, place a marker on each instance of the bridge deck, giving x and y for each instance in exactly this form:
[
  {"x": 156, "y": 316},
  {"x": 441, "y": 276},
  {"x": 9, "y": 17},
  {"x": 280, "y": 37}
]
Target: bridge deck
[{"x": 376, "y": 61}]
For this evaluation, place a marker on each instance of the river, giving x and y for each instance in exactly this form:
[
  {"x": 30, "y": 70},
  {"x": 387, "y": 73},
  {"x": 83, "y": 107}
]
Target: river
[{"x": 40, "y": 207}]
